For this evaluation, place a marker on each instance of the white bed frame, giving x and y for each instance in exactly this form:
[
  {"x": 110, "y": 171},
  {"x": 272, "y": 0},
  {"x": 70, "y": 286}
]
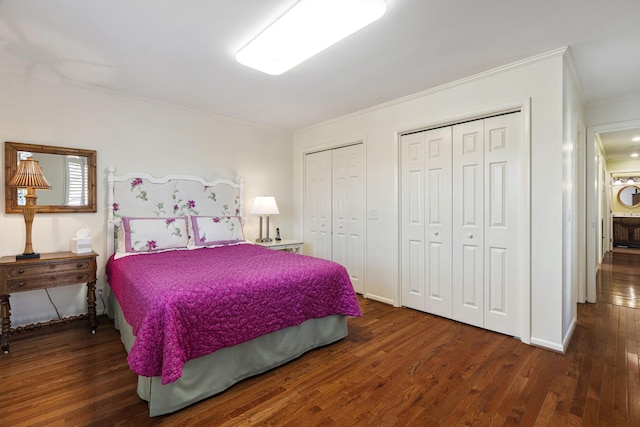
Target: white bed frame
[
  {"x": 211, "y": 374},
  {"x": 112, "y": 179}
]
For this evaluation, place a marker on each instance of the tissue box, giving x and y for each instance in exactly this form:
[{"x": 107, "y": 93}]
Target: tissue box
[{"x": 80, "y": 245}]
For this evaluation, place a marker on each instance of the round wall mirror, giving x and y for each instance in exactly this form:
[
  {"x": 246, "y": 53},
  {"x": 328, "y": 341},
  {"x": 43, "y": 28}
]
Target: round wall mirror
[{"x": 629, "y": 196}]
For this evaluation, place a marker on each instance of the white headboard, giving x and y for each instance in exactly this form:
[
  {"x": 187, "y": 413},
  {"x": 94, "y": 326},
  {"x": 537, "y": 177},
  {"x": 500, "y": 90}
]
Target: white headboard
[{"x": 141, "y": 195}]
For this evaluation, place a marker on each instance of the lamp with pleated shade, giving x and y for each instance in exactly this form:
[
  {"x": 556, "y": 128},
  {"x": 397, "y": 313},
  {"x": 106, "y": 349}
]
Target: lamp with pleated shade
[{"x": 29, "y": 176}]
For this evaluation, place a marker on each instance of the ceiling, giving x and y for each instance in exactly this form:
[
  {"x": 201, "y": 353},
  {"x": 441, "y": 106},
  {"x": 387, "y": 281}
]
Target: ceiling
[
  {"x": 182, "y": 51},
  {"x": 618, "y": 145}
]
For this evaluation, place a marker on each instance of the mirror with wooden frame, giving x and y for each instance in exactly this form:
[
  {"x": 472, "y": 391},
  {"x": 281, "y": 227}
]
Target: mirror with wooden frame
[
  {"x": 629, "y": 196},
  {"x": 70, "y": 171}
]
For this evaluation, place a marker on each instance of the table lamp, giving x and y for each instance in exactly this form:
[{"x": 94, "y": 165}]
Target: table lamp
[
  {"x": 29, "y": 176},
  {"x": 264, "y": 206}
]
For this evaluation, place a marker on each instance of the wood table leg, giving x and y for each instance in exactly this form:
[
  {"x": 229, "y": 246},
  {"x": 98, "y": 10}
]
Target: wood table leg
[
  {"x": 5, "y": 313},
  {"x": 91, "y": 303}
]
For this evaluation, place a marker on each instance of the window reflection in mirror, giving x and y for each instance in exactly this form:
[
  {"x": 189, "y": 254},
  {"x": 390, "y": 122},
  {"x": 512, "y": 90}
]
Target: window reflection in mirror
[
  {"x": 629, "y": 196},
  {"x": 68, "y": 176}
]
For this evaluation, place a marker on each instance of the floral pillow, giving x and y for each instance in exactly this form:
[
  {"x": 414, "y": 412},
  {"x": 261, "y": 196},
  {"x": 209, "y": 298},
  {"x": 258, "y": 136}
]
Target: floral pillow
[
  {"x": 154, "y": 234},
  {"x": 216, "y": 230}
]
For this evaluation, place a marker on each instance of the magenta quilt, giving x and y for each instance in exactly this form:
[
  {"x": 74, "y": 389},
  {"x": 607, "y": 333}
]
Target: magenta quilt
[{"x": 186, "y": 304}]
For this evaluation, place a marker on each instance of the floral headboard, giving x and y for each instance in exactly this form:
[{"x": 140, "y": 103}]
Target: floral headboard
[{"x": 140, "y": 195}]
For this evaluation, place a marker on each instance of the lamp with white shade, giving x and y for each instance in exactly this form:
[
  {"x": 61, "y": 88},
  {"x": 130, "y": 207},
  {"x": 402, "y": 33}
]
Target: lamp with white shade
[{"x": 264, "y": 206}]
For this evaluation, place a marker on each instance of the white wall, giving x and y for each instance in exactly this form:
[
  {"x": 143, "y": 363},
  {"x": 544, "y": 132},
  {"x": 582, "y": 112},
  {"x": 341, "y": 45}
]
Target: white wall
[
  {"x": 133, "y": 134},
  {"x": 614, "y": 111},
  {"x": 539, "y": 79},
  {"x": 573, "y": 113}
]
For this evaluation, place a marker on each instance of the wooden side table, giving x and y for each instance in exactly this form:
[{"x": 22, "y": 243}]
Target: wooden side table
[
  {"x": 294, "y": 246},
  {"x": 49, "y": 271}
]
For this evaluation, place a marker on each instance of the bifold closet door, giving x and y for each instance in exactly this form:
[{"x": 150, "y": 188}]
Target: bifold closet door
[
  {"x": 426, "y": 221},
  {"x": 468, "y": 223},
  {"x": 347, "y": 211},
  {"x": 462, "y": 222},
  {"x": 486, "y": 223},
  {"x": 334, "y": 208},
  {"x": 503, "y": 263},
  {"x": 317, "y": 205}
]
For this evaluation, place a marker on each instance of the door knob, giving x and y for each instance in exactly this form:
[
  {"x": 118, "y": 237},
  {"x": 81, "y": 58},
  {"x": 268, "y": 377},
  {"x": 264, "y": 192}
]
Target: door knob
[{"x": 470, "y": 235}]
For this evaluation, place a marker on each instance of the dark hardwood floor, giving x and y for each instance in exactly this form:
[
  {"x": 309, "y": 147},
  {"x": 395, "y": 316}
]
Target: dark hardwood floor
[
  {"x": 619, "y": 278},
  {"x": 397, "y": 367}
]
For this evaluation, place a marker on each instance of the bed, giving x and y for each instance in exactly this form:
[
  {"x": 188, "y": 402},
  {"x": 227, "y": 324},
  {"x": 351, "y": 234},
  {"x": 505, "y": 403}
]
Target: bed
[{"x": 200, "y": 308}]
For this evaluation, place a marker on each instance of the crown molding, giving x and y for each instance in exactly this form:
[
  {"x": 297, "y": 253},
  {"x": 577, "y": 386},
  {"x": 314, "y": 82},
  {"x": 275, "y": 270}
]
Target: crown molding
[{"x": 560, "y": 52}]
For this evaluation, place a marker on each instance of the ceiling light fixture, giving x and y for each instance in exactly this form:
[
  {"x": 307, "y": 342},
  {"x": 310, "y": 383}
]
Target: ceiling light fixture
[
  {"x": 636, "y": 139},
  {"x": 306, "y": 29},
  {"x": 634, "y": 154}
]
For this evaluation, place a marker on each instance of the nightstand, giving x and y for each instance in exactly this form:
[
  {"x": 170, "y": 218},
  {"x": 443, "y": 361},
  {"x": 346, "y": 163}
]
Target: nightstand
[
  {"x": 294, "y": 246},
  {"x": 49, "y": 271}
]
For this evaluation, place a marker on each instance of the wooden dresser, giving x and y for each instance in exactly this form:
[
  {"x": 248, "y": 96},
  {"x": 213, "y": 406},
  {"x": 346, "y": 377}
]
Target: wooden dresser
[
  {"x": 49, "y": 271},
  {"x": 626, "y": 231}
]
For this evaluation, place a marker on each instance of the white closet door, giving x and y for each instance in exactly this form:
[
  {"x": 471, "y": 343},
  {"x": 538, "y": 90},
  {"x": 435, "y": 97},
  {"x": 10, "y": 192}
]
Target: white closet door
[
  {"x": 339, "y": 208},
  {"x": 348, "y": 211},
  {"x": 426, "y": 211},
  {"x": 461, "y": 222},
  {"x": 503, "y": 136},
  {"x": 413, "y": 221},
  {"x": 317, "y": 205},
  {"x": 438, "y": 222},
  {"x": 468, "y": 223}
]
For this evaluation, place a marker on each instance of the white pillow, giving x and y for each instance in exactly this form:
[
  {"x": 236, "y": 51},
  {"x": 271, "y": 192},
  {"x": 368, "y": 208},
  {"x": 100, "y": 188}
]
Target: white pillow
[
  {"x": 216, "y": 230},
  {"x": 143, "y": 235}
]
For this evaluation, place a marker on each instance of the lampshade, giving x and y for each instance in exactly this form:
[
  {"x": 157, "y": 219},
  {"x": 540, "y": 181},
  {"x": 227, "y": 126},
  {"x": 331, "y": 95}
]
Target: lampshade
[
  {"x": 29, "y": 174},
  {"x": 264, "y": 205}
]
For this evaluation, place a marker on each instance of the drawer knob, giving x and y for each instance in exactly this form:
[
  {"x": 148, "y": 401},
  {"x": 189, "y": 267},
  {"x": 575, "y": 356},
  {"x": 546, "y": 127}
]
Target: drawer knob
[
  {"x": 52, "y": 266},
  {"x": 79, "y": 265},
  {"x": 79, "y": 277},
  {"x": 21, "y": 271},
  {"x": 21, "y": 284},
  {"x": 52, "y": 278}
]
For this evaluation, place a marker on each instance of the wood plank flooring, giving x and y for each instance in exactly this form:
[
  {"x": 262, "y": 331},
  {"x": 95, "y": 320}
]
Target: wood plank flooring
[
  {"x": 397, "y": 367},
  {"x": 618, "y": 280}
]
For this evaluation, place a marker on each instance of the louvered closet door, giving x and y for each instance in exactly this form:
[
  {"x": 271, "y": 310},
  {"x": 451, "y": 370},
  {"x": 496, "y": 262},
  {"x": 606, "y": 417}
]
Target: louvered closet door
[
  {"x": 317, "y": 205},
  {"x": 348, "y": 211},
  {"x": 426, "y": 219},
  {"x": 468, "y": 223}
]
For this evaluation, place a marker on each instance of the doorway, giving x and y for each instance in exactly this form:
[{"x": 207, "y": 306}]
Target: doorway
[{"x": 599, "y": 166}]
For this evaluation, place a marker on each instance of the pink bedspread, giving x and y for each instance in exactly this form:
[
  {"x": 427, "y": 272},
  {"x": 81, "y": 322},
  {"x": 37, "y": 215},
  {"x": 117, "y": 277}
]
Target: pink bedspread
[{"x": 186, "y": 304}]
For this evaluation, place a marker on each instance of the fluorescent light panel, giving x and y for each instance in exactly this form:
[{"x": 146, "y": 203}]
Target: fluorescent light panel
[{"x": 306, "y": 29}]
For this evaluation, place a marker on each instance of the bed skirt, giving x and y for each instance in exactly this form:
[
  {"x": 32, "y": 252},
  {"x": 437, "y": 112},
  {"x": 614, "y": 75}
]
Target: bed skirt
[{"x": 211, "y": 374}]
